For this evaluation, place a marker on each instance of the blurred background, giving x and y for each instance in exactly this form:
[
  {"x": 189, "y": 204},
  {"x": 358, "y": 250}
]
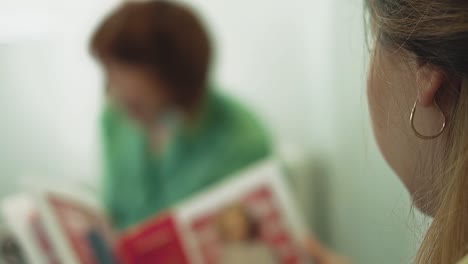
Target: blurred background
[{"x": 301, "y": 65}]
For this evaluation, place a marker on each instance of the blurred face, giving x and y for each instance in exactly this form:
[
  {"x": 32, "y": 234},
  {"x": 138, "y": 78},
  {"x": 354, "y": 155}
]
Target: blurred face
[
  {"x": 140, "y": 93},
  {"x": 392, "y": 91}
]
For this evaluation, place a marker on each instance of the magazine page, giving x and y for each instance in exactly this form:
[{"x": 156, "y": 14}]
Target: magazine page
[
  {"x": 251, "y": 218},
  {"x": 77, "y": 225}
]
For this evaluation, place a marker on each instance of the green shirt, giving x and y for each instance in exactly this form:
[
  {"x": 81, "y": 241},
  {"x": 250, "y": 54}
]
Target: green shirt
[{"x": 139, "y": 183}]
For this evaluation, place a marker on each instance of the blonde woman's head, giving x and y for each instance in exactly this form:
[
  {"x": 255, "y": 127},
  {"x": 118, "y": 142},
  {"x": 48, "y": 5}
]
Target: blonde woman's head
[{"x": 421, "y": 58}]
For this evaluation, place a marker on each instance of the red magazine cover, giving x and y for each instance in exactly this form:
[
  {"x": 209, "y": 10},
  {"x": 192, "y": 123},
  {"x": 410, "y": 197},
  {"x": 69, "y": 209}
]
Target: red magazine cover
[{"x": 157, "y": 241}]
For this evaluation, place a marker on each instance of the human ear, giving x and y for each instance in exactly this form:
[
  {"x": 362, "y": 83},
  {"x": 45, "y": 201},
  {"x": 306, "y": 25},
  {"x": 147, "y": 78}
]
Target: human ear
[{"x": 429, "y": 81}]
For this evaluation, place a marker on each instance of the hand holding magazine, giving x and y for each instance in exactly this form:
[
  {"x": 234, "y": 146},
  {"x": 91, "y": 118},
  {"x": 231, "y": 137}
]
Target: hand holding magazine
[{"x": 251, "y": 218}]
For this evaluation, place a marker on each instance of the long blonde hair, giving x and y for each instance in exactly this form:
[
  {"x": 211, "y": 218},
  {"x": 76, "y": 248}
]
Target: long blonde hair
[{"x": 436, "y": 31}]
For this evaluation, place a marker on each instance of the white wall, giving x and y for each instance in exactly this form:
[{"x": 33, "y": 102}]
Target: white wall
[
  {"x": 300, "y": 64},
  {"x": 50, "y": 90},
  {"x": 271, "y": 55}
]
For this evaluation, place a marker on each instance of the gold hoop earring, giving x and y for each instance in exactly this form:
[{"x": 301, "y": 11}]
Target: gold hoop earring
[{"x": 419, "y": 135}]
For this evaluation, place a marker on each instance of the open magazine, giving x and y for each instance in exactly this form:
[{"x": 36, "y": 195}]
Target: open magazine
[{"x": 249, "y": 218}]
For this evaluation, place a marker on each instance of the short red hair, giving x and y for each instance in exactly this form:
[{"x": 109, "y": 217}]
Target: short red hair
[{"x": 161, "y": 36}]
